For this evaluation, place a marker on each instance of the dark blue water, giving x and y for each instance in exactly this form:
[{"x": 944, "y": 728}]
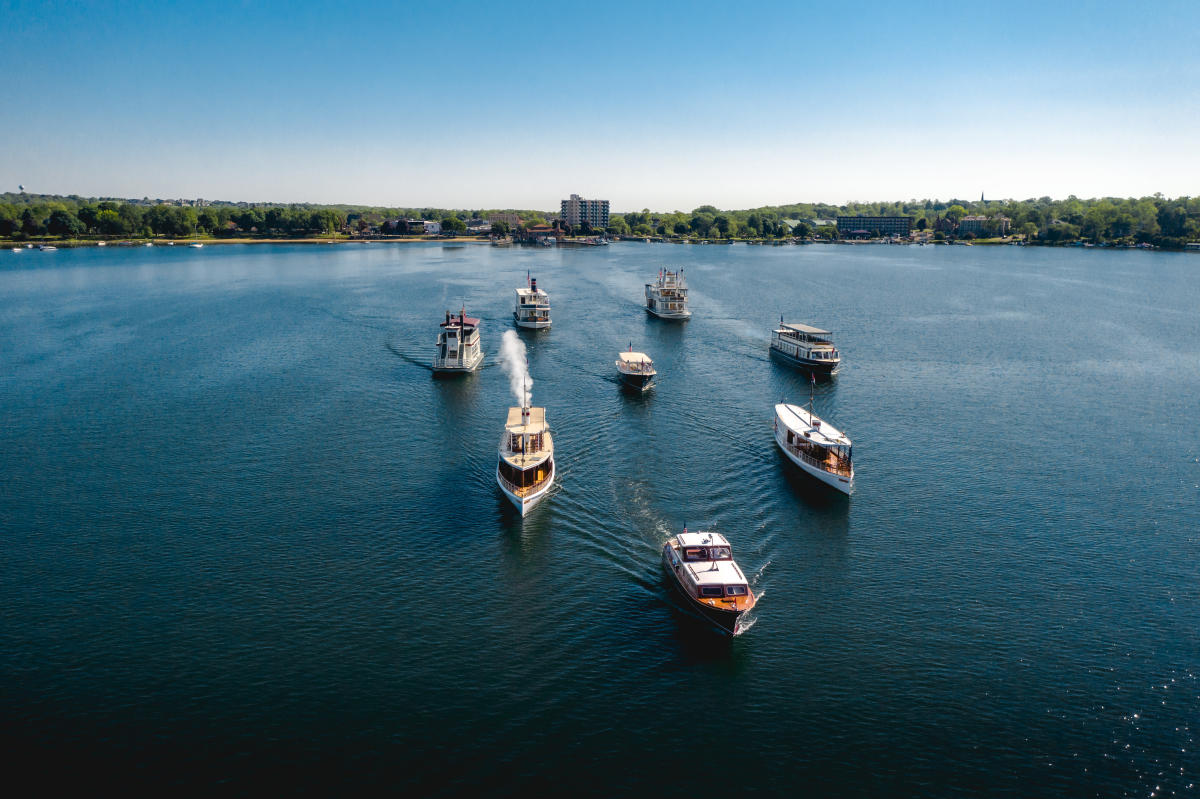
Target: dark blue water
[{"x": 251, "y": 543}]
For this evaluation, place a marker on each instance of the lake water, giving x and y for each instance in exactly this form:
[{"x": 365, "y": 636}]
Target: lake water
[{"x": 251, "y": 543}]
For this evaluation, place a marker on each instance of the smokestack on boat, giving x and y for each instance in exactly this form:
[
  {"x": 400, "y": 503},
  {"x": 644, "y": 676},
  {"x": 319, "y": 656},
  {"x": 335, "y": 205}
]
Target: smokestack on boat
[{"x": 533, "y": 284}]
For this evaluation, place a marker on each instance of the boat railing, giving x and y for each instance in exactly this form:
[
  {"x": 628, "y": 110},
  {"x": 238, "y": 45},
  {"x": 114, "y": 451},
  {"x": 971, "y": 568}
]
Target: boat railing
[
  {"x": 520, "y": 491},
  {"x": 839, "y": 466}
]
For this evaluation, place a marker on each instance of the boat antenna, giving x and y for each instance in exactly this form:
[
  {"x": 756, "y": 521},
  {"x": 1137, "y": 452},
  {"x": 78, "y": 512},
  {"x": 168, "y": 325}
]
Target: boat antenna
[{"x": 812, "y": 390}]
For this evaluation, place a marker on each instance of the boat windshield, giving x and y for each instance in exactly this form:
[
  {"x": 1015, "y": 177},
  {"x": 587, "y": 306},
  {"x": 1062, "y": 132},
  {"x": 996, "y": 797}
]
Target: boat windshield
[
  {"x": 735, "y": 590},
  {"x": 707, "y": 553}
]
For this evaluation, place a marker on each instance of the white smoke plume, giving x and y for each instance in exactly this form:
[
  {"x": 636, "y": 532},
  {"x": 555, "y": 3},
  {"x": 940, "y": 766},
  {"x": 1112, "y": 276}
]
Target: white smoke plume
[{"x": 512, "y": 358}]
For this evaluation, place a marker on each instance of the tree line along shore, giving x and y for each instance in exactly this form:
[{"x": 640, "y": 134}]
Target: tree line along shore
[{"x": 1158, "y": 221}]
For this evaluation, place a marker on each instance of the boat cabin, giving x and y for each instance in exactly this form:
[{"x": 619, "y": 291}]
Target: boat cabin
[
  {"x": 526, "y": 450},
  {"x": 817, "y": 442},
  {"x": 706, "y": 568},
  {"x": 805, "y": 341},
  {"x": 637, "y": 362}
]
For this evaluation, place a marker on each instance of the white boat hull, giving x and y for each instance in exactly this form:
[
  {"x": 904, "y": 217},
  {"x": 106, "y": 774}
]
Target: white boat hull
[
  {"x": 532, "y": 325},
  {"x": 843, "y": 484},
  {"x": 456, "y": 366},
  {"x": 530, "y": 501},
  {"x": 670, "y": 314}
]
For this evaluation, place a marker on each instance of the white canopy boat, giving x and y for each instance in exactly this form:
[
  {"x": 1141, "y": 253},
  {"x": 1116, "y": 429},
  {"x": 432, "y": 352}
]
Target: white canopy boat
[
  {"x": 815, "y": 446},
  {"x": 636, "y": 369}
]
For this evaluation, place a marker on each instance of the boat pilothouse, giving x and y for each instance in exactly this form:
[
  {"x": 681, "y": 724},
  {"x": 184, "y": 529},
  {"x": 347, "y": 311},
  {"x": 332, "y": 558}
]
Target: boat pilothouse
[
  {"x": 701, "y": 567},
  {"x": 667, "y": 297},
  {"x": 458, "y": 347},
  {"x": 636, "y": 369},
  {"x": 533, "y": 306},
  {"x": 805, "y": 346},
  {"x": 525, "y": 470},
  {"x": 815, "y": 446}
]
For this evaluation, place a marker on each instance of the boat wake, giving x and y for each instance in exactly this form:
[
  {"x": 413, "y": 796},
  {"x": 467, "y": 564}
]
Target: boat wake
[
  {"x": 405, "y": 356},
  {"x": 744, "y": 624}
]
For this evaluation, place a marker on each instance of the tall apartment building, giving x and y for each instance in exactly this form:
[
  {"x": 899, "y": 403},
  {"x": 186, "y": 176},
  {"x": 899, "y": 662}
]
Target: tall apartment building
[
  {"x": 577, "y": 210},
  {"x": 886, "y": 225}
]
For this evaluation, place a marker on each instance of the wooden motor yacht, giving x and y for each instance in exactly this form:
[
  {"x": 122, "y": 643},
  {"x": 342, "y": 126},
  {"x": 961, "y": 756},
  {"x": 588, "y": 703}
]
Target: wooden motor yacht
[
  {"x": 667, "y": 297},
  {"x": 525, "y": 471},
  {"x": 458, "y": 345},
  {"x": 701, "y": 567},
  {"x": 636, "y": 369}
]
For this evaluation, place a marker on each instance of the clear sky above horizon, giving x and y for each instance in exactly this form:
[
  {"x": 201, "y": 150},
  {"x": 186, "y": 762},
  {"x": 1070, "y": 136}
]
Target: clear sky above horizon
[{"x": 663, "y": 105}]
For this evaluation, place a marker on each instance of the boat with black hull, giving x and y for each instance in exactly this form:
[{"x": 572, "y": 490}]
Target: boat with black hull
[
  {"x": 702, "y": 569},
  {"x": 636, "y": 369},
  {"x": 805, "y": 346},
  {"x": 525, "y": 469}
]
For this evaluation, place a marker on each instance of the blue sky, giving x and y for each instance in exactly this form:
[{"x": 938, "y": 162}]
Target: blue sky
[{"x": 659, "y": 105}]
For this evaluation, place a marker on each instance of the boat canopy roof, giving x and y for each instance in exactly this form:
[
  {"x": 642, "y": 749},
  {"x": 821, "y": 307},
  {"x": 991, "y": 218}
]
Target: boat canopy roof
[
  {"x": 532, "y": 294},
  {"x": 537, "y": 421},
  {"x": 635, "y": 357},
  {"x": 810, "y": 427},
  {"x": 796, "y": 327},
  {"x": 702, "y": 540},
  {"x": 456, "y": 321},
  {"x": 717, "y": 572}
]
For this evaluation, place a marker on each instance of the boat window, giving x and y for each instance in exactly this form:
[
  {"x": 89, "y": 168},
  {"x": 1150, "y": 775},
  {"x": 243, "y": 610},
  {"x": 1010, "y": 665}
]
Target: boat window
[
  {"x": 694, "y": 553},
  {"x": 719, "y": 553},
  {"x": 711, "y": 590},
  {"x": 735, "y": 590}
]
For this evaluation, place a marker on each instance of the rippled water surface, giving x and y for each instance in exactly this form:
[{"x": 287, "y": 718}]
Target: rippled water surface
[{"x": 250, "y": 542}]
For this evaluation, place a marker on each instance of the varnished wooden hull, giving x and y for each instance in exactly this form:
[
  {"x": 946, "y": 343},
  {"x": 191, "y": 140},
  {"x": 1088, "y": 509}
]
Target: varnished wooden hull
[{"x": 726, "y": 620}]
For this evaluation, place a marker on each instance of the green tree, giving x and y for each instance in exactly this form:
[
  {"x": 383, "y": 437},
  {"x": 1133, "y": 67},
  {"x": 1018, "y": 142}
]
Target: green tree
[
  {"x": 64, "y": 223},
  {"x": 452, "y": 224},
  {"x": 955, "y": 213}
]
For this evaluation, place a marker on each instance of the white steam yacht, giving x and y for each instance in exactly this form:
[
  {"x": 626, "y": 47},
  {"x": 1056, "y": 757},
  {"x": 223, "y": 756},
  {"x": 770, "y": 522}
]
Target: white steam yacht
[
  {"x": 701, "y": 567},
  {"x": 807, "y": 347},
  {"x": 667, "y": 296},
  {"x": 636, "y": 369},
  {"x": 525, "y": 471},
  {"x": 533, "y": 306},
  {"x": 458, "y": 346},
  {"x": 815, "y": 446}
]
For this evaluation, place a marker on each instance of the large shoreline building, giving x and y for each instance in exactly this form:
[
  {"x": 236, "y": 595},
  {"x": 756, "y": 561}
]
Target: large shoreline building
[
  {"x": 577, "y": 210},
  {"x": 884, "y": 225}
]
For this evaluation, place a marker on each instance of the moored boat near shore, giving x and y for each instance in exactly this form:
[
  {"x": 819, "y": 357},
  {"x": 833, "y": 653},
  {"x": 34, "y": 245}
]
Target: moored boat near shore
[
  {"x": 702, "y": 569},
  {"x": 525, "y": 469}
]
